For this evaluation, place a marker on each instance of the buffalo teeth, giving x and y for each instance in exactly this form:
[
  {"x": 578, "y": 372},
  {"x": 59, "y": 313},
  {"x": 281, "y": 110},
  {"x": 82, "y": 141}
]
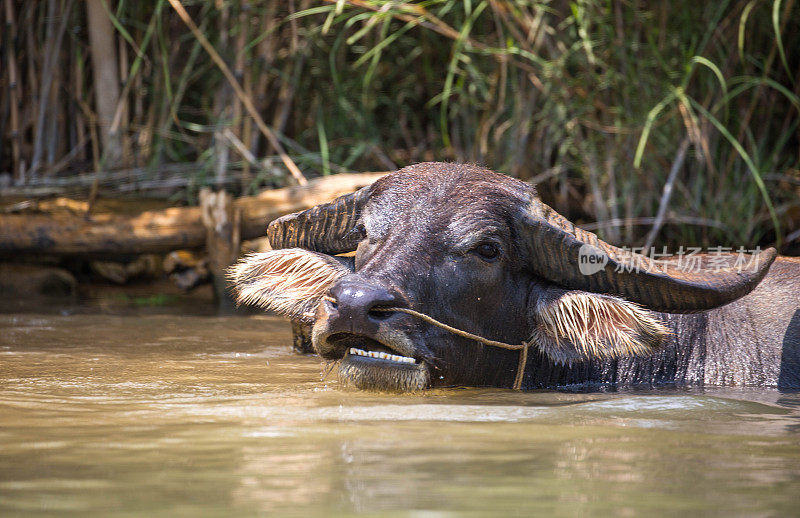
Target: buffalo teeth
[{"x": 382, "y": 355}]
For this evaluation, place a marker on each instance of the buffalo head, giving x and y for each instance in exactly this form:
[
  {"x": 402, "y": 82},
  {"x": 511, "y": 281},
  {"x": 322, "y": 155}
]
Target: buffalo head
[{"x": 476, "y": 250}]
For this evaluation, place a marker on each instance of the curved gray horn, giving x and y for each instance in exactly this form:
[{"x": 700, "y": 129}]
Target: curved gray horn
[
  {"x": 559, "y": 252},
  {"x": 328, "y": 228}
]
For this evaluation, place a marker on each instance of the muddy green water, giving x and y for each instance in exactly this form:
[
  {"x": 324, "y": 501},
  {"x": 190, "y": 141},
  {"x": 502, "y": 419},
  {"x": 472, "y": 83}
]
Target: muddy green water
[{"x": 147, "y": 415}]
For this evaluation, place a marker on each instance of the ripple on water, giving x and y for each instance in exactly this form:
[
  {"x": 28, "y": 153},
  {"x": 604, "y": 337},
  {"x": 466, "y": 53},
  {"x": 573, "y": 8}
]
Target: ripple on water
[{"x": 660, "y": 404}]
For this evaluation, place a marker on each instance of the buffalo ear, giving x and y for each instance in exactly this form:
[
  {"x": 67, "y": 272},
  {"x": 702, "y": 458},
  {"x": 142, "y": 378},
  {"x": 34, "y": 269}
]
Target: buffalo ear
[
  {"x": 290, "y": 281},
  {"x": 572, "y": 326}
]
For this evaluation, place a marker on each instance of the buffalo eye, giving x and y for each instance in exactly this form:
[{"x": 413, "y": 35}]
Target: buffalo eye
[{"x": 488, "y": 251}]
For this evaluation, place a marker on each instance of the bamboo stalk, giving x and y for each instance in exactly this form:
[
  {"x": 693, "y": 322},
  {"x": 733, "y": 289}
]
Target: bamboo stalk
[
  {"x": 52, "y": 123},
  {"x": 243, "y": 75},
  {"x": 222, "y": 100},
  {"x": 105, "y": 68},
  {"x": 126, "y": 147},
  {"x": 32, "y": 53},
  {"x": 80, "y": 122},
  {"x": 292, "y": 70},
  {"x": 91, "y": 119},
  {"x": 266, "y": 53},
  {"x": 247, "y": 134},
  {"x": 13, "y": 91},
  {"x": 52, "y": 50}
]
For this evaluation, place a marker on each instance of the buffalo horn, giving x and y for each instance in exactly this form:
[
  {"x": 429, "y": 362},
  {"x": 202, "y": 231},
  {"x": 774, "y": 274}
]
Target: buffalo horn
[
  {"x": 556, "y": 248},
  {"x": 329, "y": 228}
]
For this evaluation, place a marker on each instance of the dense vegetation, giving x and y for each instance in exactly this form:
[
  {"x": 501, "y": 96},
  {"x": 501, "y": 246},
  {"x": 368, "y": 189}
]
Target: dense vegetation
[{"x": 601, "y": 103}]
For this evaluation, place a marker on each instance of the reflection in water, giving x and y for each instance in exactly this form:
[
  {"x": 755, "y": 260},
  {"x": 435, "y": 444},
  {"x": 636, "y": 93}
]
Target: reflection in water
[{"x": 177, "y": 415}]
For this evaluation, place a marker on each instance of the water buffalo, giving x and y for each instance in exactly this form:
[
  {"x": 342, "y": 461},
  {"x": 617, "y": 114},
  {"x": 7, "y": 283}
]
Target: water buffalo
[{"x": 480, "y": 252}]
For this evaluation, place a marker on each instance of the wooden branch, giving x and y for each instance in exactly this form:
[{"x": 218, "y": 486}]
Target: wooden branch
[
  {"x": 222, "y": 221},
  {"x": 163, "y": 230}
]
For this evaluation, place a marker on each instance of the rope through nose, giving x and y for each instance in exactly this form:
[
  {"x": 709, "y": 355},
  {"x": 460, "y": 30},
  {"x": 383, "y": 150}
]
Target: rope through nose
[{"x": 522, "y": 348}]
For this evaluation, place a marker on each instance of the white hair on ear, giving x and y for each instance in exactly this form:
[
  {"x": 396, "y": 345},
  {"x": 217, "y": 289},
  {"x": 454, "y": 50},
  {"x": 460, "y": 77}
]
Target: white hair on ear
[
  {"x": 579, "y": 326},
  {"x": 289, "y": 281}
]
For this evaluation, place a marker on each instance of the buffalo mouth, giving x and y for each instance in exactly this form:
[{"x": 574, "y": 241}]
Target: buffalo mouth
[{"x": 372, "y": 365}]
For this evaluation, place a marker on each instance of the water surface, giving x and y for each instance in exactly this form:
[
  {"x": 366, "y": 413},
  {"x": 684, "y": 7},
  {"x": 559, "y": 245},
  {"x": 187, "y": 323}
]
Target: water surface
[{"x": 148, "y": 415}]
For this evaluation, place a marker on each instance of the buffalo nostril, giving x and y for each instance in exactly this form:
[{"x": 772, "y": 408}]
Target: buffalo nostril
[{"x": 359, "y": 302}]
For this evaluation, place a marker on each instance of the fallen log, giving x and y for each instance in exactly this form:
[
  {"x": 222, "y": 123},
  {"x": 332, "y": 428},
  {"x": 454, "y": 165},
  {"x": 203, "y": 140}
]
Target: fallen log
[{"x": 104, "y": 235}]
